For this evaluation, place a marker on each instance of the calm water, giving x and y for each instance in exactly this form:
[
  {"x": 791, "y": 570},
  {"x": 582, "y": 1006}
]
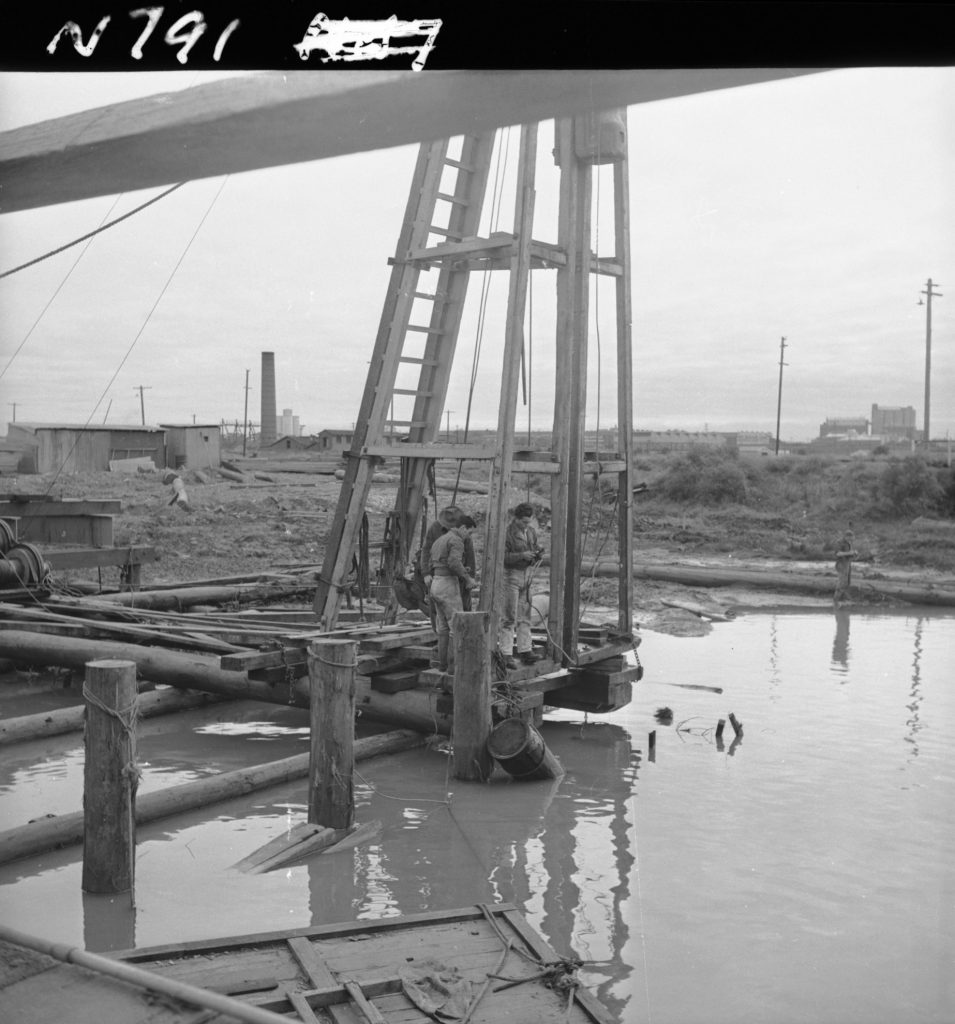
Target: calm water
[{"x": 802, "y": 874}]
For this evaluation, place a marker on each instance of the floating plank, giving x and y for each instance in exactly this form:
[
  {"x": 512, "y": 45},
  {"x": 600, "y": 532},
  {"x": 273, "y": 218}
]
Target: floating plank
[{"x": 607, "y": 650}]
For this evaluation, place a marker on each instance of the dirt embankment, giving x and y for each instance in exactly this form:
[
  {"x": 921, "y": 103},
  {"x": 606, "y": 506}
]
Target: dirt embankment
[{"x": 229, "y": 529}]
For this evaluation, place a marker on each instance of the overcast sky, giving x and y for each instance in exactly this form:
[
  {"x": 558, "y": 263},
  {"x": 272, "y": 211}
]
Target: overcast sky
[{"x": 813, "y": 208}]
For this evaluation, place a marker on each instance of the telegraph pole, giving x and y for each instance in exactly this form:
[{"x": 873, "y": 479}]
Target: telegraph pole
[
  {"x": 448, "y": 420},
  {"x": 929, "y": 293},
  {"x": 779, "y": 401},
  {"x": 142, "y": 405},
  {"x": 245, "y": 416}
]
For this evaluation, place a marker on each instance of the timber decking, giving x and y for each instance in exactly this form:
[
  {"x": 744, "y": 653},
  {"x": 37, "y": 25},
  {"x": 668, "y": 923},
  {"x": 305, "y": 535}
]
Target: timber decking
[{"x": 326, "y": 967}]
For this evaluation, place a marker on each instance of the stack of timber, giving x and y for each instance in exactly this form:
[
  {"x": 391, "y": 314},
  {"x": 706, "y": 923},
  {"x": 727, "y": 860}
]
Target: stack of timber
[
  {"x": 394, "y": 677},
  {"x": 481, "y": 964}
]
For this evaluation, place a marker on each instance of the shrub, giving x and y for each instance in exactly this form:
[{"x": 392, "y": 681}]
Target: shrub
[
  {"x": 705, "y": 476},
  {"x": 908, "y": 487}
]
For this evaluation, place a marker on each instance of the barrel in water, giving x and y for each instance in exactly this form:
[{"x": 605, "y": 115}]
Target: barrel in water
[{"x": 520, "y": 750}]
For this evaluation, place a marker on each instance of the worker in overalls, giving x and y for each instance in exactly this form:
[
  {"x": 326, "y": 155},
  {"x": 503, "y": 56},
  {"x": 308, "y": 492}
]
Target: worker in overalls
[
  {"x": 522, "y": 554},
  {"x": 447, "y": 517},
  {"x": 449, "y": 580}
]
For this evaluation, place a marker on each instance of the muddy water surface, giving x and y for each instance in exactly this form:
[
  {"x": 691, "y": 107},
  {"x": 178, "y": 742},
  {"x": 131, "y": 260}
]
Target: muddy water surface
[{"x": 801, "y": 873}]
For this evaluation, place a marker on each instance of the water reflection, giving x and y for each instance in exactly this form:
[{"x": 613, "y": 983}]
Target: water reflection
[
  {"x": 109, "y": 922},
  {"x": 840, "y": 643},
  {"x": 914, "y": 723},
  {"x": 773, "y": 659},
  {"x": 561, "y": 850}
]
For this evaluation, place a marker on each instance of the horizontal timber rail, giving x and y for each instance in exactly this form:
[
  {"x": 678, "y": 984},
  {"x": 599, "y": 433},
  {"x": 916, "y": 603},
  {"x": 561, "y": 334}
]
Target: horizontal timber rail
[{"x": 66, "y": 829}]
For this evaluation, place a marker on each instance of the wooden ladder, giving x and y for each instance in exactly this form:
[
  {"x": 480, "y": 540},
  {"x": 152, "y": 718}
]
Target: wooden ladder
[{"x": 416, "y": 339}]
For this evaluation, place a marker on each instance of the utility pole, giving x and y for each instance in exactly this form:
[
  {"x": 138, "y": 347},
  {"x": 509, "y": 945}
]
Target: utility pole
[
  {"x": 779, "y": 401},
  {"x": 245, "y": 415},
  {"x": 448, "y": 420},
  {"x": 928, "y": 351},
  {"x": 142, "y": 405}
]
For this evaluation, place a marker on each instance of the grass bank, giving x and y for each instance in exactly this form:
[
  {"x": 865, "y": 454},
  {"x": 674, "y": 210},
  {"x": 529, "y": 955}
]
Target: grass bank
[{"x": 902, "y": 510}]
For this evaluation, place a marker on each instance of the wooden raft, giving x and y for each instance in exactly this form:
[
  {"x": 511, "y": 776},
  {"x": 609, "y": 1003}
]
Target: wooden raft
[
  {"x": 393, "y": 660},
  {"x": 367, "y": 971}
]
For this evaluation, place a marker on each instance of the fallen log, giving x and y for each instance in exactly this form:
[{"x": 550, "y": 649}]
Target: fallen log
[
  {"x": 707, "y": 576},
  {"x": 183, "y": 597},
  {"x": 65, "y": 720},
  {"x": 65, "y": 829},
  {"x": 410, "y": 709},
  {"x": 41, "y": 621},
  {"x": 701, "y": 610}
]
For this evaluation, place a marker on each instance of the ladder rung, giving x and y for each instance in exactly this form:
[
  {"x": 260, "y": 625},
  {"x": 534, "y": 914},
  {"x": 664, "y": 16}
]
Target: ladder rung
[
  {"x": 453, "y": 199},
  {"x": 421, "y": 329},
  {"x": 412, "y": 391},
  {"x": 418, "y": 360},
  {"x": 444, "y": 231},
  {"x": 428, "y": 295},
  {"x": 458, "y": 164}
]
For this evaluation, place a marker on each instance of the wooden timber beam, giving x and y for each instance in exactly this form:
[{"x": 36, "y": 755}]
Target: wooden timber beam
[
  {"x": 570, "y": 406},
  {"x": 274, "y": 118},
  {"x": 621, "y": 219},
  {"x": 497, "y": 513}
]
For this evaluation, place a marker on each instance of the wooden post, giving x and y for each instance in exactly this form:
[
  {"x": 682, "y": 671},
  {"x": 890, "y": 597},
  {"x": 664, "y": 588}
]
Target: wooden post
[
  {"x": 570, "y": 406},
  {"x": 110, "y": 777},
  {"x": 621, "y": 188},
  {"x": 331, "y": 673},
  {"x": 499, "y": 496},
  {"x": 472, "y": 697}
]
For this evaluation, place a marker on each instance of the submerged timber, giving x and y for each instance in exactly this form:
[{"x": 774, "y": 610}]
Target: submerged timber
[{"x": 482, "y": 964}]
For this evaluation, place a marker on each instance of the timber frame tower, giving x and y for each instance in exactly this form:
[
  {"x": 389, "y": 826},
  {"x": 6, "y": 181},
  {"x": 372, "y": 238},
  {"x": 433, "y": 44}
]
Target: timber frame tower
[{"x": 411, "y": 365}]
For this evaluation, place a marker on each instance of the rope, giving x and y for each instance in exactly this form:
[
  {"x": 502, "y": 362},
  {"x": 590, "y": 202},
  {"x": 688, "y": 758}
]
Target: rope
[
  {"x": 401, "y": 799},
  {"x": 127, "y": 719},
  {"x": 497, "y": 191},
  {"x": 91, "y": 234},
  {"x": 334, "y": 664}
]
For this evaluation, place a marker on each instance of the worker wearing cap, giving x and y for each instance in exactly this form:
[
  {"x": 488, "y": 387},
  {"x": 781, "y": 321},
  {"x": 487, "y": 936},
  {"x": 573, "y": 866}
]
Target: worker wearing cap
[
  {"x": 521, "y": 556},
  {"x": 439, "y": 527},
  {"x": 449, "y": 576}
]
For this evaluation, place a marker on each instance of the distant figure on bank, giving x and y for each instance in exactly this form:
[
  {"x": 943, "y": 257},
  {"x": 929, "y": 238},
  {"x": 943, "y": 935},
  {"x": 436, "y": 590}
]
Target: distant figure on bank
[
  {"x": 521, "y": 554},
  {"x": 450, "y": 579},
  {"x": 845, "y": 553}
]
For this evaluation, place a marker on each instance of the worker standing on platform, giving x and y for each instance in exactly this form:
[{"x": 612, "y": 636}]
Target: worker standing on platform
[
  {"x": 438, "y": 528},
  {"x": 522, "y": 553},
  {"x": 450, "y": 578}
]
